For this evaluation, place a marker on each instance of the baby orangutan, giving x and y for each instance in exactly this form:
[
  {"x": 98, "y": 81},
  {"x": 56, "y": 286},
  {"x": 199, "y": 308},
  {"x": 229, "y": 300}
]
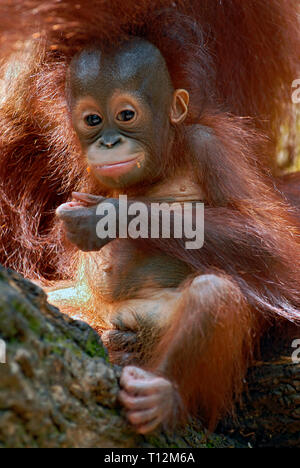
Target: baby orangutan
[
  {"x": 123, "y": 109},
  {"x": 182, "y": 323}
]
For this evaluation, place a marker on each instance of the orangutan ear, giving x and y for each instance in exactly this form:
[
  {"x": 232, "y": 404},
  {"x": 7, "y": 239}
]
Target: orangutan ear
[{"x": 179, "y": 108}]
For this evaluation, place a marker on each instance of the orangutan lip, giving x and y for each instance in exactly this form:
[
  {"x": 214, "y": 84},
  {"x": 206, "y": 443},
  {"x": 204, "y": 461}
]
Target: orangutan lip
[{"x": 117, "y": 168}]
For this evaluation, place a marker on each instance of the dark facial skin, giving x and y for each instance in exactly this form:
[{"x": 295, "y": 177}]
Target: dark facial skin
[{"x": 124, "y": 109}]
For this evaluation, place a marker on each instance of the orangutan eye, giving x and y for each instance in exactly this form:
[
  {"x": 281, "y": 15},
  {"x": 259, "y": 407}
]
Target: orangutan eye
[
  {"x": 126, "y": 115},
  {"x": 93, "y": 120}
]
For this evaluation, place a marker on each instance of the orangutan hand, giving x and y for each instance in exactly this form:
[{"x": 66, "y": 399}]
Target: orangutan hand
[
  {"x": 80, "y": 221},
  {"x": 149, "y": 399}
]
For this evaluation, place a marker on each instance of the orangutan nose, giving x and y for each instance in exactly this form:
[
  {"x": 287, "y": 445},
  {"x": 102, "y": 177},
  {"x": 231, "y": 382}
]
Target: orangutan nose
[{"x": 110, "y": 140}]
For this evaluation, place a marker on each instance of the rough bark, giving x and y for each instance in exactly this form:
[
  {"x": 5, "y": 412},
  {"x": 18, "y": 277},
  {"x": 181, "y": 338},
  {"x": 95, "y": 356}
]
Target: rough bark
[
  {"x": 269, "y": 415},
  {"x": 57, "y": 388}
]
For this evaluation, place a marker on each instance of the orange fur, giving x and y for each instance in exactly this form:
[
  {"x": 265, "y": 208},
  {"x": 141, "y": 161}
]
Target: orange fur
[{"x": 238, "y": 60}]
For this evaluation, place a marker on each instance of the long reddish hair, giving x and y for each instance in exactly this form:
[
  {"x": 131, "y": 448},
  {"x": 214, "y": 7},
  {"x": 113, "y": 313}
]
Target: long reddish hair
[{"x": 236, "y": 57}]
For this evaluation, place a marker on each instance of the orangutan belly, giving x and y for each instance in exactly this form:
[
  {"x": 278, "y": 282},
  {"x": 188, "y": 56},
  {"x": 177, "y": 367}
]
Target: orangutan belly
[{"x": 125, "y": 271}]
